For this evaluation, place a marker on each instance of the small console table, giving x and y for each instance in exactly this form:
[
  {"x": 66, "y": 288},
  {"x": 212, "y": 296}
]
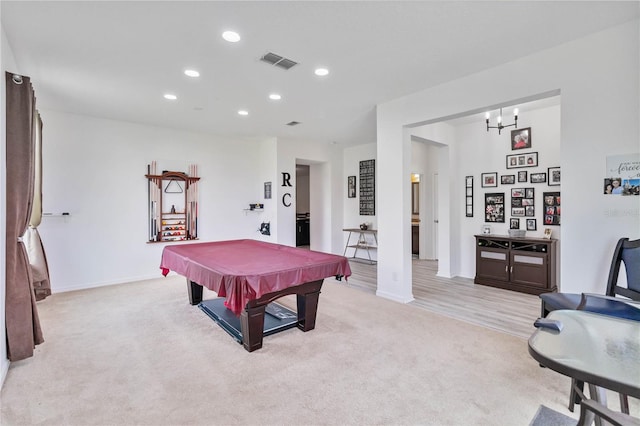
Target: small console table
[
  {"x": 527, "y": 265},
  {"x": 361, "y": 243}
]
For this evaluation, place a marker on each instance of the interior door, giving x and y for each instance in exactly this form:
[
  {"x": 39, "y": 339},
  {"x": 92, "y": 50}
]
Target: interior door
[{"x": 434, "y": 203}]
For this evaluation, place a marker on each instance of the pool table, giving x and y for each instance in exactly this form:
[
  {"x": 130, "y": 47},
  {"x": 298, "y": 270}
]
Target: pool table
[{"x": 250, "y": 274}]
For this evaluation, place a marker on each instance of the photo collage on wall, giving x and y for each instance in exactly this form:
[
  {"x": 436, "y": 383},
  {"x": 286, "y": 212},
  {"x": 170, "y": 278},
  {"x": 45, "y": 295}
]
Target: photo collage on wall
[
  {"x": 522, "y": 199},
  {"x": 623, "y": 173},
  {"x": 551, "y": 208}
]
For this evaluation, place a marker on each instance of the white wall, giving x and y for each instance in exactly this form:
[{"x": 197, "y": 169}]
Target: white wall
[
  {"x": 599, "y": 117},
  {"x": 94, "y": 169},
  {"x": 325, "y": 171},
  {"x": 351, "y": 216},
  {"x": 484, "y": 152}
]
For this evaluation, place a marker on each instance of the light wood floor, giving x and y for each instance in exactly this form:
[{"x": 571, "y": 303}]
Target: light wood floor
[{"x": 503, "y": 310}]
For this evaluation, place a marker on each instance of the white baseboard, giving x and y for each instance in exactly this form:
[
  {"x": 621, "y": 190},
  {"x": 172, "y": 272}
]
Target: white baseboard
[
  {"x": 395, "y": 297},
  {"x": 85, "y": 286}
]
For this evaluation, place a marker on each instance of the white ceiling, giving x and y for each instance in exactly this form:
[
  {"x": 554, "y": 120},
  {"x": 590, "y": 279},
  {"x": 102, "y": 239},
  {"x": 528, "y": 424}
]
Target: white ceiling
[{"x": 116, "y": 59}]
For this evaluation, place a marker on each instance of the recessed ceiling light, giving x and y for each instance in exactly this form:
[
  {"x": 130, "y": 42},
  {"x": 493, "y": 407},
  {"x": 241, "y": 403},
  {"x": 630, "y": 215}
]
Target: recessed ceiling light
[
  {"x": 191, "y": 73},
  {"x": 243, "y": 112},
  {"x": 170, "y": 96},
  {"x": 275, "y": 97},
  {"x": 321, "y": 72},
  {"x": 231, "y": 36}
]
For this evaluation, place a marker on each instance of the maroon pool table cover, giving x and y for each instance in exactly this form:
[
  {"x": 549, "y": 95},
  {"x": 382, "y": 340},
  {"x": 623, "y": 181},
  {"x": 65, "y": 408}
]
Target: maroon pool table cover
[{"x": 243, "y": 270}]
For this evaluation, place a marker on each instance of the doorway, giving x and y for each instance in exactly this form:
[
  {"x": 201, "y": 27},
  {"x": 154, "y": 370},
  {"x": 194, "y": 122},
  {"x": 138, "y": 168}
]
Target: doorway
[{"x": 303, "y": 209}]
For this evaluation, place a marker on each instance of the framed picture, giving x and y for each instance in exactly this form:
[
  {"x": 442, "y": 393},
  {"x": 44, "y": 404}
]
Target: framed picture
[
  {"x": 522, "y": 176},
  {"x": 351, "y": 187},
  {"x": 494, "y": 207},
  {"x": 538, "y": 177},
  {"x": 489, "y": 179},
  {"x": 468, "y": 184},
  {"x": 517, "y": 211},
  {"x": 517, "y": 193},
  {"x": 547, "y": 233},
  {"x": 267, "y": 190},
  {"x": 514, "y": 223},
  {"x": 554, "y": 176},
  {"x": 531, "y": 224},
  {"x": 551, "y": 208},
  {"x": 521, "y": 138},
  {"x": 508, "y": 179},
  {"x": 517, "y": 161}
]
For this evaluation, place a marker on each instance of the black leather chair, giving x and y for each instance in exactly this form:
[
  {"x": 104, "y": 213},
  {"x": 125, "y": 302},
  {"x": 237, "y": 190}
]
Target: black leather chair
[{"x": 626, "y": 252}]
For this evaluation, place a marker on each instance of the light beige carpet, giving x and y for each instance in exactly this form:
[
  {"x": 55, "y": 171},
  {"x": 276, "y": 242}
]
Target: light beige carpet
[{"x": 139, "y": 354}]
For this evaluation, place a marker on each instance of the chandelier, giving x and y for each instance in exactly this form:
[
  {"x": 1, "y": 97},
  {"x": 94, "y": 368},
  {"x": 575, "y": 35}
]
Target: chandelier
[{"x": 501, "y": 126}]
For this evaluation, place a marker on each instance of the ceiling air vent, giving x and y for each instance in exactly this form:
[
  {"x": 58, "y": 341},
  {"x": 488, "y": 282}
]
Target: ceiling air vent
[
  {"x": 278, "y": 61},
  {"x": 293, "y": 123}
]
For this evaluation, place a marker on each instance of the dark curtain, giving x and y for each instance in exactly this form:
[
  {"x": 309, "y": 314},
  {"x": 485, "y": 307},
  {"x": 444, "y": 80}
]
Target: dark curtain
[
  {"x": 22, "y": 323},
  {"x": 32, "y": 241}
]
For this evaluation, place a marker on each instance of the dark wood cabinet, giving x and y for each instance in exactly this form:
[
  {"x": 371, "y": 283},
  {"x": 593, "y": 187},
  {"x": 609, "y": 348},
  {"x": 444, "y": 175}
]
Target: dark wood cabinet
[
  {"x": 302, "y": 232},
  {"x": 523, "y": 264},
  {"x": 415, "y": 239}
]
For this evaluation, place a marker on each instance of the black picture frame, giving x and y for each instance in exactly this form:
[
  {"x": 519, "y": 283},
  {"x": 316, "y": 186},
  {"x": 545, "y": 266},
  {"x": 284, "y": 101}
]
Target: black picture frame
[
  {"x": 554, "y": 176},
  {"x": 489, "y": 180},
  {"x": 514, "y": 223},
  {"x": 508, "y": 179},
  {"x": 494, "y": 207},
  {"x": 531, "y": 225},
  {"x": 537, "y": 177},
  {"x": 368, "y": 187},
  {"x": 522, "y": 176},
  {"x": 468, "y": 185},
  {"x": 551, "y": 208},
  {"x": 351, "y": 187},
  {"x": 518, "y": 161},
  {"x": 267, "y": 190},
  {"x": 521, "y": 138}
]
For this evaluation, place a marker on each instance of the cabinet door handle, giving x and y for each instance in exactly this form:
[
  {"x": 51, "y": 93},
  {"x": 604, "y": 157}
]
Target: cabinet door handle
[
  {"x": 511, "y": 270},
  {"x": 506, "y": 268}
]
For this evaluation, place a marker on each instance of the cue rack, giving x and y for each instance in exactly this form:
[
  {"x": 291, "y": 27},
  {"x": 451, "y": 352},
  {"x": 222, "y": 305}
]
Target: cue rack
[{"x": 173, "y": 204}]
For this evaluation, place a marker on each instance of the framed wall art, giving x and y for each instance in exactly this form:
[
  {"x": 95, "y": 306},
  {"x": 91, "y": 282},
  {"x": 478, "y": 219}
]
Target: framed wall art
[
  {"x": 351, "y": 187},
  {"x": 489, "y": 179},
  {"x": 508, "y": 179},
  {"x": 552, "y": 210},
  {"x": 538, "y": 177},
  {"x": 517, "y": 161},
  {"x": 494, "y": 207},
  {"x": 468, "y": 188},
  {"x": 554, "y": 176},
  {"x": 531, "y": 224},
  {"x": 514, "y": 223},
  {"x": 368, "y": 188},
  {"x": 267, "y": 190},
  {"x": 521, "y": 138},
  {"x": 523, "y": 202},
  {"x": 522, "y": 176}
]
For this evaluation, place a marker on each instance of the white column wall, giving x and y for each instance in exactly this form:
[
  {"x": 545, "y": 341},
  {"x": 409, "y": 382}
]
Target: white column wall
[
  {"x": 599, "y": 86},
  {"x": 325, "y": 173},
  {"x": 351, "y": 217},
  {"x": 268, "y": 173}
]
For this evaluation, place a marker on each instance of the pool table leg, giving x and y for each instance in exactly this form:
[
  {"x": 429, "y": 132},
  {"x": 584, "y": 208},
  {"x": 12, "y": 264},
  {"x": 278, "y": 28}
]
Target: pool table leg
[
  {"x": 307, "y": 309},
  {"x": 252, "y": 326},
  {"x": 195, "y": 292}
]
